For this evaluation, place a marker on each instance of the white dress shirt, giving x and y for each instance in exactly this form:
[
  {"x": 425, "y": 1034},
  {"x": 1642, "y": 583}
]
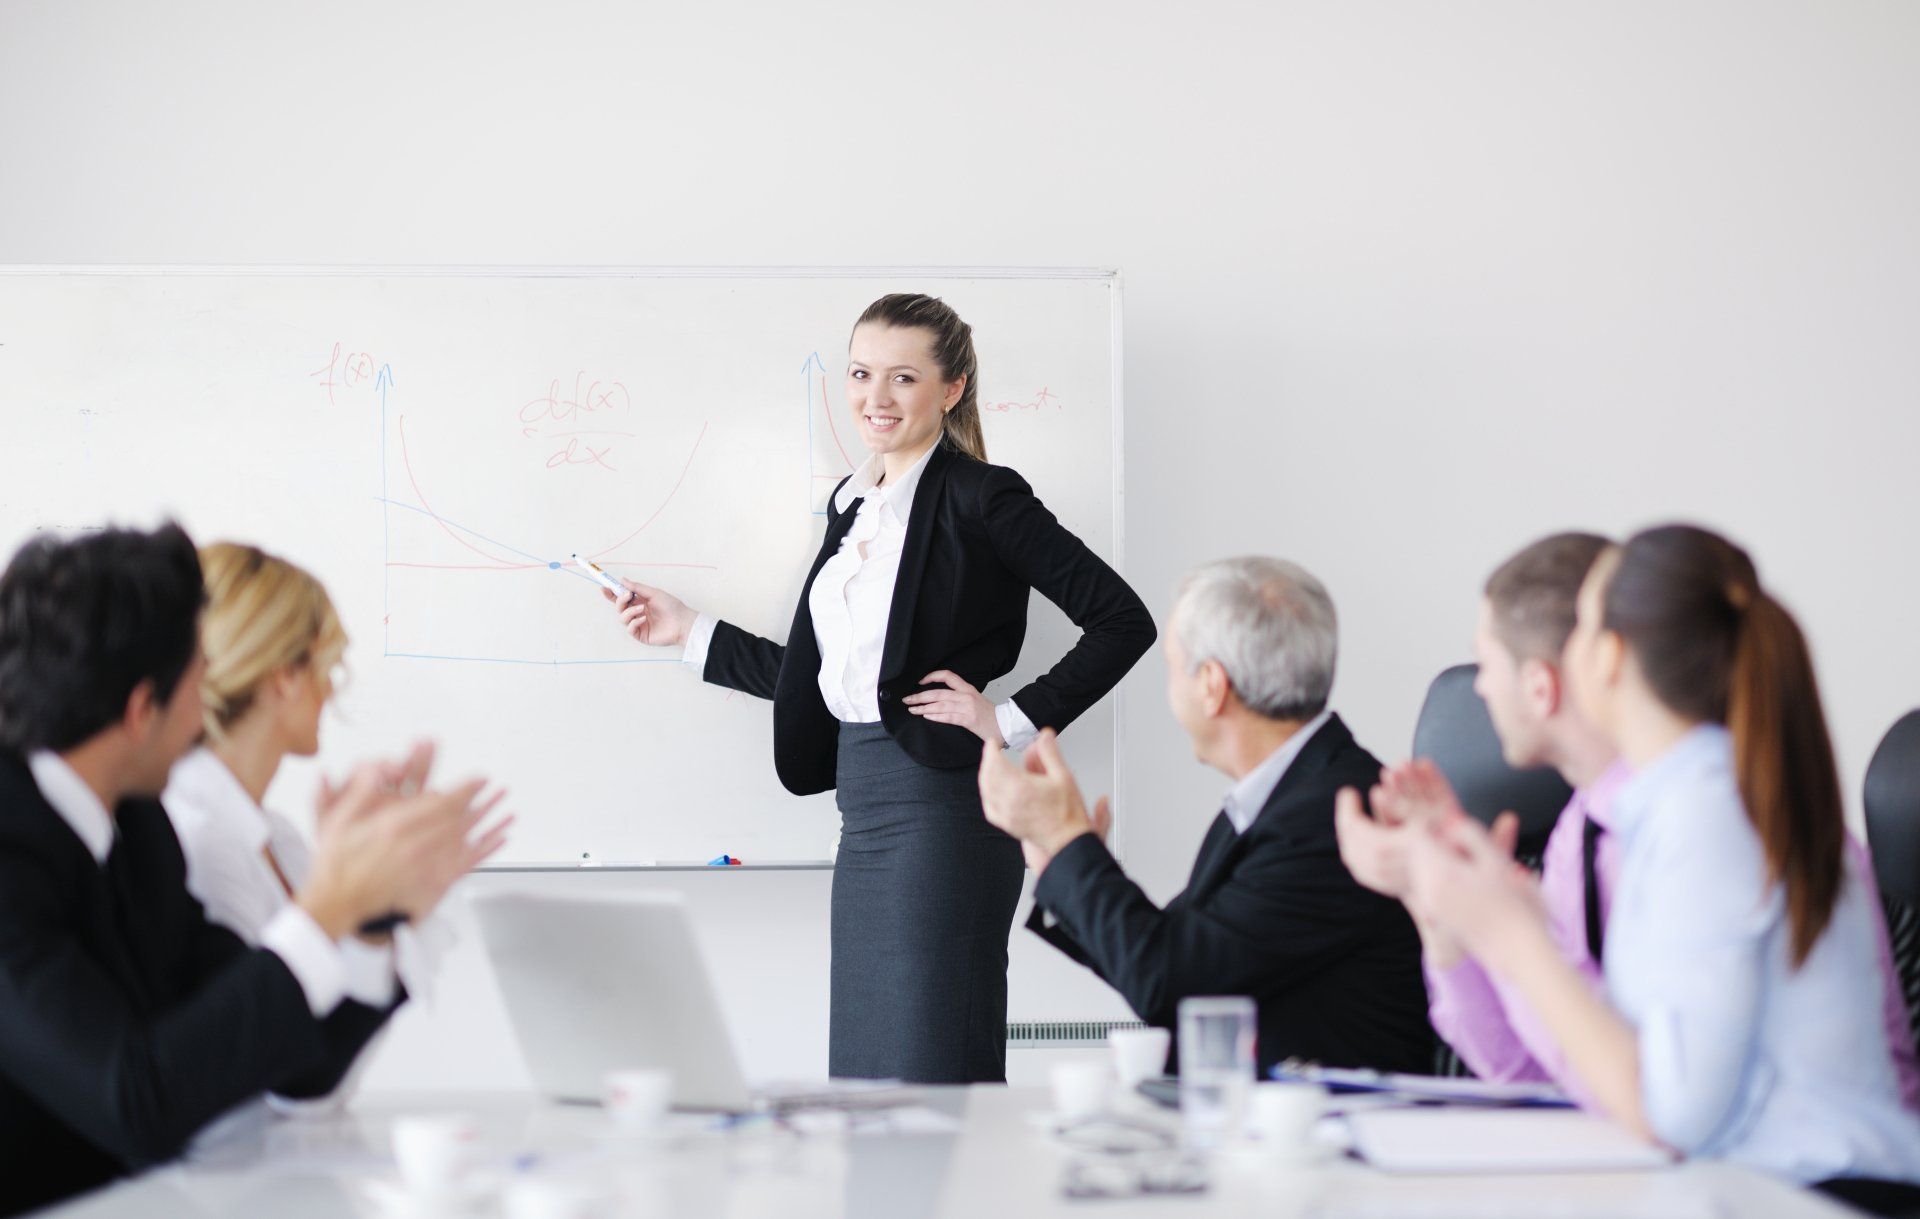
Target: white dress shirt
[
  {"x": 1743, "y": 1056},
  {"x": 314, "y": 960},
  {"x": 225, "y": 837},
  {"x": 1255, "y": 788},
  {"x": 852, "y": 597}
]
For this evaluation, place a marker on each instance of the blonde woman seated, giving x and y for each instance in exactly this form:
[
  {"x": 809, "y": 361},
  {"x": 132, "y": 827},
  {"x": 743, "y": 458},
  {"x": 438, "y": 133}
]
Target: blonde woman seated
[{"x": 273, "y": 642}]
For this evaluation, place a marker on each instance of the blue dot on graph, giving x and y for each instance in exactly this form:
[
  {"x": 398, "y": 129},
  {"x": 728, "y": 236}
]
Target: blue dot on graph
[{"x": 554, "y": 566}]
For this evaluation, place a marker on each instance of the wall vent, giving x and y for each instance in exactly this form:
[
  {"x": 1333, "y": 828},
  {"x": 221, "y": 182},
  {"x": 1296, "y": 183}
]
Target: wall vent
[{"x": 1053, "y": 1034}]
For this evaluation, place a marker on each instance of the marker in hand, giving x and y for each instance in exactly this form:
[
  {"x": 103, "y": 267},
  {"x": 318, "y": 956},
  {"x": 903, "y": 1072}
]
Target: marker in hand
[{"x": 600, "y": 576}]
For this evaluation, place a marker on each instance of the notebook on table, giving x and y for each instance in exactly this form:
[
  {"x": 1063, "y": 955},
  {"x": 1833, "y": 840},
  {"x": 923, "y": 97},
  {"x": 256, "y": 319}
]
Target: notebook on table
[{"x": 1479, "y": 1140}]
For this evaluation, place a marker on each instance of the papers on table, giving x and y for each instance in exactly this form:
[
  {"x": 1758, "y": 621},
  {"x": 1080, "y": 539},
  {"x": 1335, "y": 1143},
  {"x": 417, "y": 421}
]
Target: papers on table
[
  {"x": 1601, "y": 1196},
  {"x": 1455, "y": 1140},
  {"x": 1428, "y": 1087}
]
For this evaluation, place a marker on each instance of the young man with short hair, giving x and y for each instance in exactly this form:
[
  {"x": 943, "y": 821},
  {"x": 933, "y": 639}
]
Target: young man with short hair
[{"x": 127, "y": 1021}]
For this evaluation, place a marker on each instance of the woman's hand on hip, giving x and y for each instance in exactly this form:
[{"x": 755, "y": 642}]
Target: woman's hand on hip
[
  {"x": 652, "y": 616},
  {"x": 959, "y": 703}
]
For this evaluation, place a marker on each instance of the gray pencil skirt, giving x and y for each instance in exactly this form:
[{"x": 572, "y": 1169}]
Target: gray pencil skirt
[{"x": 923, "y": 897}]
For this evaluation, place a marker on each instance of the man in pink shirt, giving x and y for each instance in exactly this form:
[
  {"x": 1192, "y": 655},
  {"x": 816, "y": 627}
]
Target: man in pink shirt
[{"x": 1526, "y": 616}]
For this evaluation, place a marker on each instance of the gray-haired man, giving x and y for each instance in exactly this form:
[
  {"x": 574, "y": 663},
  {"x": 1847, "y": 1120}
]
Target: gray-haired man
[{"x": 1269, "y": 911}]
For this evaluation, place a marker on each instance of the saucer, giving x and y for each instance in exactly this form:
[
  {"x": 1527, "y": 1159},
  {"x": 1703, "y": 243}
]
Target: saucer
[{"x": 395, "y": 1199}]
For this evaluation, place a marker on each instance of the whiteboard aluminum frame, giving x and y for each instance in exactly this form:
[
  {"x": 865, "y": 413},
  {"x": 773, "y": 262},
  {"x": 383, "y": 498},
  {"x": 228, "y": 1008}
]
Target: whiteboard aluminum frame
[{"x": 535, "y": 271}]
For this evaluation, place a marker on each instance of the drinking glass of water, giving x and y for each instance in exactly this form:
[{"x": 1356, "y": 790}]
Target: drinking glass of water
[{"x": 1216, "y": 1068}]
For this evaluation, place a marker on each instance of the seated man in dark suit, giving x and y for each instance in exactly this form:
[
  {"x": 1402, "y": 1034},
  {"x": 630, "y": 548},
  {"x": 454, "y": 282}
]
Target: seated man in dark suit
[
  {"x": 127, "y": 1021},
  {"x": 1270, "y": 911}
]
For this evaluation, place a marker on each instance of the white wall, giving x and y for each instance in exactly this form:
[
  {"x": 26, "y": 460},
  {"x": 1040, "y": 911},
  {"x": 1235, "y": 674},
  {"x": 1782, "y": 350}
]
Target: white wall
[{"x": 1407, "y": 283}]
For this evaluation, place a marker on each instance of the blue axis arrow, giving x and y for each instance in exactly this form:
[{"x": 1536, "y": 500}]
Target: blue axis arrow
[{"x": 806, "y": 385}]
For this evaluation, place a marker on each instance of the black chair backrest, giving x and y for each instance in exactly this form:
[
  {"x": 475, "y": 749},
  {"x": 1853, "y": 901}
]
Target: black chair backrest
[
  {"x": 1874, "y": 1196},
  {"x": 1893, "y": 838},
  {"x": 1455, "y": 731},
  {"x": 1893, "y": 811}
]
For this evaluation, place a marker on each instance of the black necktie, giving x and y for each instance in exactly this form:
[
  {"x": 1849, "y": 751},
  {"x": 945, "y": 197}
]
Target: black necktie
[{"x": 1589, "y": 854}]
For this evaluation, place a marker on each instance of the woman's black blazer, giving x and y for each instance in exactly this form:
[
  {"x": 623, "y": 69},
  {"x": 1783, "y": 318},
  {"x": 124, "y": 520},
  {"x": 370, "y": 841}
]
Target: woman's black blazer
[{"x": 977, "y": 541}]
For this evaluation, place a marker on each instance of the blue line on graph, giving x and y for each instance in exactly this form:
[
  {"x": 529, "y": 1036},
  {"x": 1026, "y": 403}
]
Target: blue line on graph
[
  {"x": 382, "y": 383},
  {"x": 510, "y": 660},
  {"x": 806, "y": 385},
  {"x": 549, "y": 564},
  {"x": 388, "y": 504}
]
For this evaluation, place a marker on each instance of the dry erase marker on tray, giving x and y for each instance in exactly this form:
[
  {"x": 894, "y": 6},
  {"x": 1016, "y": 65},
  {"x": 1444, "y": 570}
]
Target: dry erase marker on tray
[{"x": 599, "y": 574}]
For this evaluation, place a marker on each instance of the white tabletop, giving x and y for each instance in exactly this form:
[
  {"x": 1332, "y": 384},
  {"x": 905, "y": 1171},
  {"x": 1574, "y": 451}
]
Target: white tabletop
[{"x": 973, "y": 1152}]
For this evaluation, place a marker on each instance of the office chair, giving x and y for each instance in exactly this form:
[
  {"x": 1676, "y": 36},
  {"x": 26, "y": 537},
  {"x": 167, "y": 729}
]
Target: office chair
[{"x": 1893, "y": 838}]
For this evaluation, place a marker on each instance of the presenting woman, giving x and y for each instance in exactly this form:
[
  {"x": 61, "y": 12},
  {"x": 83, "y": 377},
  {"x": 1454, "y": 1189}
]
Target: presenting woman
[{"x": 916, "y": 600}]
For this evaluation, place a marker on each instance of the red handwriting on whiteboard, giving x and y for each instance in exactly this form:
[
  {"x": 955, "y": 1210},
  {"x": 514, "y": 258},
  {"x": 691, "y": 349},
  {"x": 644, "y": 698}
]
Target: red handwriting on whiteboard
[
  {"x": 588, "y": 398},
  {"x": 575, "y": 428},
  {"x": 582, "y": 451},
  {"x": 1044, "y": 400},
  {"x": 345, "y": 370}
]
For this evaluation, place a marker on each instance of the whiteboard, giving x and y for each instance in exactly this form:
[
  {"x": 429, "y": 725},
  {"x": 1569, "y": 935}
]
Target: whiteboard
[{"x": 434, "y": 443}]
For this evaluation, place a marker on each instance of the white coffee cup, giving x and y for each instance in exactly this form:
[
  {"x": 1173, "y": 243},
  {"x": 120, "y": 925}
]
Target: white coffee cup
[
  {"x": 434, "y": 1152},
  {"x": 1138, "y": 1054},
  {"x": 1080, "y": 1088},
  {"x": 637, "y": 1099},
  {"x": 1282, "y": 1117}
]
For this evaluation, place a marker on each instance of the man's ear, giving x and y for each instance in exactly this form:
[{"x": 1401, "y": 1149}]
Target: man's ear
[
  {"x": 1214, "y": 688},
  {"x": 142, "y": 712},
  {"x": 1610, "y": 655},
  {"x": 1541, "y": 686}
]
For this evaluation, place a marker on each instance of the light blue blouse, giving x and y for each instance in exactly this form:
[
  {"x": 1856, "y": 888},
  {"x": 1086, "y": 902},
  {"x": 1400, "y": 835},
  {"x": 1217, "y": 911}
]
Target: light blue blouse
[{"x": 1743, "y": 1057}]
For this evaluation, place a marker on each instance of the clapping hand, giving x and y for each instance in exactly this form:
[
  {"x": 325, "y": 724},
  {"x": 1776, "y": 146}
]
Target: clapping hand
[
  {"x": 1412, "y": 802},
  {"x": 386, "y": 844},
  {"x": 1038, "y": 801},
  {"x": 385, "y": 780},
  {"x": 1414, "y": 791},
  {"x": 1462, "y": 879},
  {"x": 1374, "y": 848}
]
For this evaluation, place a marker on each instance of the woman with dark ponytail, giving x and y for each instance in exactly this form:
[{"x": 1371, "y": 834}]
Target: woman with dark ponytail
[
  {"x": 916, "y": 600},
  {"x": 1743, "y": 1014}
]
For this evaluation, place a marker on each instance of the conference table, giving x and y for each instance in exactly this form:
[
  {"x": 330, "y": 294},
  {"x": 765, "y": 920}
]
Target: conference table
[{"x": 983, "y": 1151}]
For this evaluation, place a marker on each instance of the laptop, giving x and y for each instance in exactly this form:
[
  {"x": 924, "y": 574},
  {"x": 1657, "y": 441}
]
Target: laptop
[{"x": 596, "y": 984}]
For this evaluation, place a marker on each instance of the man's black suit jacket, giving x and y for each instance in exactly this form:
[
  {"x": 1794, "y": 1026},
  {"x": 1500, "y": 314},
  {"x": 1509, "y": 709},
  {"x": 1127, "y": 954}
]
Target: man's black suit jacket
[
  {"x": 127, "y": 1021},
  {"x": 978, "y": 542},
  {"x": 1272, "y": 914}
]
